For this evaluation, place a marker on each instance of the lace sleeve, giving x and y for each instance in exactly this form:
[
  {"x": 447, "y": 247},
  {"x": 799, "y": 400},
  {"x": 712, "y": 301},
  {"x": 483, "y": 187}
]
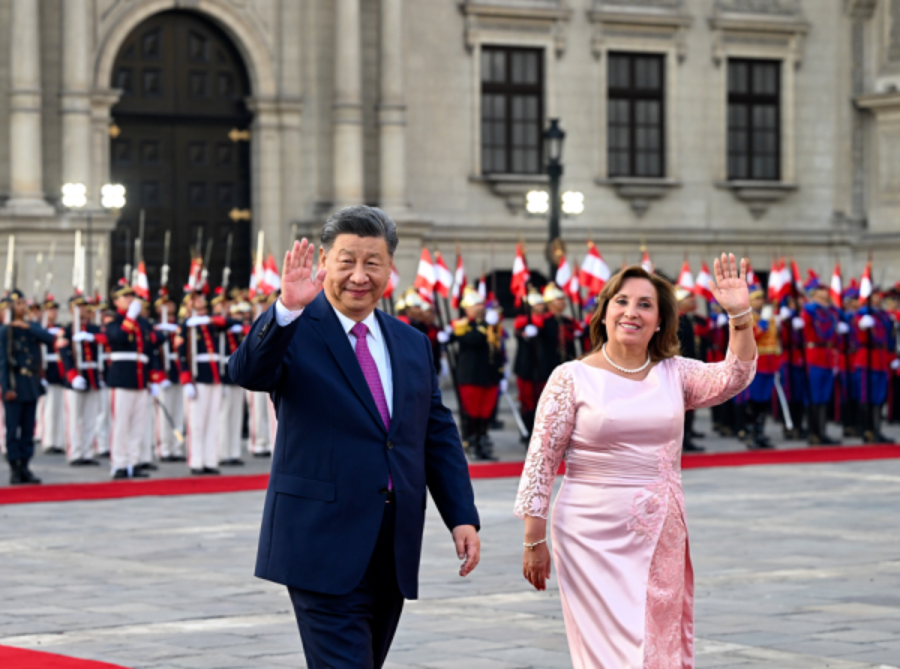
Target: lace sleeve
[
  {"x": 708, "y": 384},
  {"x": 552, "y": 429}
]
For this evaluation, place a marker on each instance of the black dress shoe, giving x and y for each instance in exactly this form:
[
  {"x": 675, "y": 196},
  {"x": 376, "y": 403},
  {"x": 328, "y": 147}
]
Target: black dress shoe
[
  {"x": 689, "y": 447},
  {"x": 198, "y": 472},
  {"x": 232, "y": 462},
  {"x": 84, "y": 462},
  {"x": 146, "y": 467},
  {"x": 54, "y": 450},
  {"x": 120, "y": 474},
  {"x": 103, "y": 455},
  {"x": 211, "y": 471},
  {"x": 266, "y": 454},
  {"x": 697, "y": 435},
  {"x": 139, "y": 474},
  {"x": 167, "y": 458}
]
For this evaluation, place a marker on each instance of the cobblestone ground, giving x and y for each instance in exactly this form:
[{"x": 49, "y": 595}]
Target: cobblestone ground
[{"x": 797, "y": 566}]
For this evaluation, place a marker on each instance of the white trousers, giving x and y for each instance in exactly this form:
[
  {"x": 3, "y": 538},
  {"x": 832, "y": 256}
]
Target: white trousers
[
  {"x": 129, "y": 420},
  {"x": 172, "y": 398},
  {"x": 148, "y": 442},
  {"x": 203, "y": 426},
  {"x": 103, "y": 421},
  {"x": 230, "y": 417},
  {"x": 81, "y": 423},
  {"x": 53, "y": 430},
  {"x": 260, "y": 425}
]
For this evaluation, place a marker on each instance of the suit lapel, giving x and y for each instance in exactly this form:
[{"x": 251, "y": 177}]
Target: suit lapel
[
  {"x": 326, "y": 323},
  {"x": 395, "y": 350}
]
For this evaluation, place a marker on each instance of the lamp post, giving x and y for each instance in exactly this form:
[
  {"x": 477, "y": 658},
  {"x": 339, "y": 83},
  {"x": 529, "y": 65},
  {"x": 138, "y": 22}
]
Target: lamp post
[
  {"x": 112, "y": 197},
  {"x": 75, "y": 197},
  {"x": 553, "y": 146}
]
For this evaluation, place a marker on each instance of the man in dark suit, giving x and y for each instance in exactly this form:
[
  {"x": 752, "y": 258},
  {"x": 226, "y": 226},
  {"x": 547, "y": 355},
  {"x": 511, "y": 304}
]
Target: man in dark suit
[{"x": 362, "y": 433}]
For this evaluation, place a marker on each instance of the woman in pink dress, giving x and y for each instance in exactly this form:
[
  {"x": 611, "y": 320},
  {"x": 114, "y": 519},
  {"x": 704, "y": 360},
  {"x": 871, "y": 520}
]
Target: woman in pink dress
[{"x": 619, "y": 535}]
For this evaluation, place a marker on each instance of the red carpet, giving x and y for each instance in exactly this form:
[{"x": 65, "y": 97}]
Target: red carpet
[
  {"x": 218, "y": 484},
  {"x": 16, "y": 658}
]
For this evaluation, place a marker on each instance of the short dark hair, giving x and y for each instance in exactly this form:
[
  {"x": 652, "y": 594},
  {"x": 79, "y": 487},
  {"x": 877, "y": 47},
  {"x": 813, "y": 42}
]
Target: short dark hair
[
  {"x": 361, "y": 221},
  {"x": 664, "y": 344}
]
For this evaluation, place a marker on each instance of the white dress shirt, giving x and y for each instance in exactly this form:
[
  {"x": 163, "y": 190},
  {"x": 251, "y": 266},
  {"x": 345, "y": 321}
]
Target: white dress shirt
[{"x": 375, "y": 338}]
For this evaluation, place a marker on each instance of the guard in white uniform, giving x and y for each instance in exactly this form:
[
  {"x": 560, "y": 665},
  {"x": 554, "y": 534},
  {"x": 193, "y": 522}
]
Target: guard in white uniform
[
  {"x": 82, "y": 362},
  {"x": 171, "y": 398},
  {"x": 51, "y": 407}
]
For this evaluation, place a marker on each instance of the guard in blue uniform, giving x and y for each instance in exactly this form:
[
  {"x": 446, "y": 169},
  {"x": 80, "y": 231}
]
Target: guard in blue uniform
[
  {"x": 20, "y": 379},
  {"x": 873, "y": 332}
]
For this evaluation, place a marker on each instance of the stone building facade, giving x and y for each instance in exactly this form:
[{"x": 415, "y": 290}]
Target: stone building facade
[{"x": 432, "y": 109}]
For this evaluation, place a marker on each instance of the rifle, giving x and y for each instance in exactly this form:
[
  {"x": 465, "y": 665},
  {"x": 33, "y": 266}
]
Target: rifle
[
  {"x": 164, "y": 311},
  {"x": 226, "y": 275},
  {"x": 77, "y": 285}
]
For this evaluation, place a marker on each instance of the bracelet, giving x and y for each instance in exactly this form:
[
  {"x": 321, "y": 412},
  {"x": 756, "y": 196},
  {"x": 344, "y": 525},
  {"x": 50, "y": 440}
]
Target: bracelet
[
  {"x": 535, "y": 544},
  {"x": 738, "y": 328},
  {"x": 743, "y": 313}
]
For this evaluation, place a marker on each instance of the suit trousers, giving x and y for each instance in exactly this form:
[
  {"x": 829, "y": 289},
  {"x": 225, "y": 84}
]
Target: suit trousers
[
  {"x": 230, "y": 416},
  {"x": 81, "y": 423},
  {"x": 261, "y": 435},
  {"x": 172, "y": 398},
  {"x": 129, "y": 420},
  {"x": 103, "y": 422},
  {"x": 53, "y": 428},
  {"x": 354, "y": 631},
  {"x": 203, "y": 426},
  {"x": 19, "y": 418}
]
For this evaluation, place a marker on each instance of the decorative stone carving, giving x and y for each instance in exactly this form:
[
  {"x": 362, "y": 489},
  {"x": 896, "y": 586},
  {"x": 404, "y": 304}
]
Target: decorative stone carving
[
  {"x": 639, "y": 192},
  {"x": 543, "y": 18},
  {"x": 775, "y": 25},
  {"x": 640, "y": 20},
  {"x": 780, "y": 7},
  {"x": 860, "y": 9},
  {"x": 758, "y": 195}
]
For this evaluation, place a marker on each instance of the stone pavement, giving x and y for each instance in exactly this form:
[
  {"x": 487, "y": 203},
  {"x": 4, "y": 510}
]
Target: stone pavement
[{"x": 798, "y": 566}]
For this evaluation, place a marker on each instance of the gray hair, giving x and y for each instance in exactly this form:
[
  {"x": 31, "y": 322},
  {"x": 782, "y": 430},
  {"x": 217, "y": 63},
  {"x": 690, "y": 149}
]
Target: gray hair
[{"x": 361, "y": 221}]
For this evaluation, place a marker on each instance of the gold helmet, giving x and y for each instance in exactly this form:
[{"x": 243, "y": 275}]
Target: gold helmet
[
  {"x": 552, "y": 292},
  {"x": 534, "y": 297},
  {"x": 471, "y": 298}
]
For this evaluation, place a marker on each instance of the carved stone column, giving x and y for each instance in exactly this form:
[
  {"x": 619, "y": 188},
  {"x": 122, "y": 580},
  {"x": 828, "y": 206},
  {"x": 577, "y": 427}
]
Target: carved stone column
[
  {"x": 25, "y": 150},
  {"x": 75, "y": 100},
  {"x": 392, "y": 110},
  {"x": 265, "y": 156},
  {"x": 347, "y": 108}
]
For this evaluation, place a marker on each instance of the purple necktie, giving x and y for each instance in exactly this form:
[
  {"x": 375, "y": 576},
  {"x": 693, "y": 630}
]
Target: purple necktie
[{"x": 370, "y": 371}]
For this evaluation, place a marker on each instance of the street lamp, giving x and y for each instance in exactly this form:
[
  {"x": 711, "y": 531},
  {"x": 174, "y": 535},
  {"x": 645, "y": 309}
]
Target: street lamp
[
  {"x": 75, "y": 197},
  {"x": 553, "y": 146}
]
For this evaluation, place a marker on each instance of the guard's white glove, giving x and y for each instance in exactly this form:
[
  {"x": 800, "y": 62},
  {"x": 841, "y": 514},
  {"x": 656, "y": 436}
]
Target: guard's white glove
[
  {"x": 530, "y": 331},
  {"x": 55, "y": 331},
  {"x": 722, "y": 320},
  {"x": 443, "y": 337},
  {"x": 798, "y": 323},
  {"x": 448, "y": 329},
  {"x": 44, "y": 383},
  {"x": 445, "y": 368},
  {"x": 767, "y": 312},
  {"x": 895, "y": 364},
  {"x": 504, "y": 386},
  {"x": 843, "y": 328},
  {"x": 79, "y": 383},
  {"x": 102, "y": 384},
  {"x": 167, "y": 327},
  {"x": 134, "y": 310},
  {"x": 866, "y": 322},
  {"x": 237, "y": 328},
  {"x": 154, "y": 389},
  {"x": 194, "y": 321},
  {"x": 190, "y": 391},
  {"x": 784, "y": 313},
  {"x": 165, "y": 384},
  {"x": 83, "y": 336},
  {"x": 491, "y": 317}
]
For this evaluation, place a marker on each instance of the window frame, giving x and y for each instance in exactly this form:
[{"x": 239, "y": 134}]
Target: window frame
[
  {"x": 633, "y": 95},
  {"x": 750, "y": 100},
  {"x": 509, "y": 90}
]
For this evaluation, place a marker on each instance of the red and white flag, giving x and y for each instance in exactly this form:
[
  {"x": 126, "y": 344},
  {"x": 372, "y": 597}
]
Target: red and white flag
[
  {"x": 520, "y": 276},
  {"x": 194, "y": 274},
  {"x": 271, "y": 276},
  {"x": 751, "y": 275},
  {"x": 776, "y": 282},
  {"x": 425, "y": 278},
  {"x": 567, "y": 280},
  {"x": 594, "y": 272},
  {"x": 142, "y": 285},
  {"x": 865, "y": 283},
  {"x": 393, "y": 282},
  {"x": 686, "y": 279},
  {"x": 443, "y": 279},
  {"x": 703, "y": 284},
  {"x": 796, "y": 277},
  {"x": 482, "y": 287},
  {"x": 836, "y": 290},
  {"x": 647, "y": 264},
  {"x": 459, "y": 282}
]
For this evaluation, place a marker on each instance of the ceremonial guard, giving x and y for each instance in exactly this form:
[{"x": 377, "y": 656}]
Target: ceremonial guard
[
  {"x": 231, "y": 412},
  {"x": 83, "y": 376},
  {"x": 134, "y": 365},
  {"x": 479, "y": 368},
  {"x": 262, "y": 434},
  {"x": 872, "y": 357},
  {"x": 170, "y": 400},
  {"x": 525, "y": 366},
  {"x": 819, "y": 328},
  {"x": 417, "y": 315},
  {"x": 20, "y": 380},
  {"x": 793, "y": 369},
  {"x": 102, "y": 315},
  {"x": 558, "y": 334},
  {"x": 687, "y": 338},
  {"x": 847, "y": 344},
  {"x": 723, "y": 419},
  {"x": 52, "y": 418},
  {"x": 765, "y": 331}
]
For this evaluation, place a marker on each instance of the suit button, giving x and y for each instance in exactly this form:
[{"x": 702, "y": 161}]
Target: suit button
[{"x": 390, "y": 445}]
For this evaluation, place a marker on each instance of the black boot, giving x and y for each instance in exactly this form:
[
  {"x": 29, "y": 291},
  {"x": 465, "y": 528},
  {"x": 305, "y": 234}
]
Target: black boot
[
  {"x": 27, "y": 475},
  {"x": 877, "y": 422},
  {"x": 850, "y": 420},
  {"x": 15, "y": 472},
  {"x": 483, "y": 448},
  {"x": 813, "y": 437},
  {"x": 822, "y": 420},
  {"x": 864, "y": 417},
  {"x": 760, "y": 440}
]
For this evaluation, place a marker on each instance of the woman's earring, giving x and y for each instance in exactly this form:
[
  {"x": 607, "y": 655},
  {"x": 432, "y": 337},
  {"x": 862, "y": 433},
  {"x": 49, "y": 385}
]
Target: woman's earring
[
  {"x": 602, "y": 320},
  {"x": 657, "y": 329}
]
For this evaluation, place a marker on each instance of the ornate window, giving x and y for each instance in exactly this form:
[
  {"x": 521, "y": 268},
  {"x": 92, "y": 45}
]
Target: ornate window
[
  {"x": 635, "y": 115},
  {"x": 512, "y": 91},
  {"x": 754, "y": 119}
]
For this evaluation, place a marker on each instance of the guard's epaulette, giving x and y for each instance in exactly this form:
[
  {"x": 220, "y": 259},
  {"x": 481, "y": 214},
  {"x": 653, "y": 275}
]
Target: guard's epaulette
[{"x": 460, "y": 326}]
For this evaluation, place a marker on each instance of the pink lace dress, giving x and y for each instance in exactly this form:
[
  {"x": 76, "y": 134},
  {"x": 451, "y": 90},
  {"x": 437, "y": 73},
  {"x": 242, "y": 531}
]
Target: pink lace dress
[{"x": 618, "y": 530}]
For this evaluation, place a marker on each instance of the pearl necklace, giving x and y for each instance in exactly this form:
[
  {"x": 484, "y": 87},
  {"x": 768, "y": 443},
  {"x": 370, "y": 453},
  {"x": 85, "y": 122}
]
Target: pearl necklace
[{"x": 622, "y": 369}]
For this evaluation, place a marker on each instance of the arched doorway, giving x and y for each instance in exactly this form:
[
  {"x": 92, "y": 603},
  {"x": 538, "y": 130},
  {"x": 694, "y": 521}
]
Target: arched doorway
[{"x": 181, "y": 147}]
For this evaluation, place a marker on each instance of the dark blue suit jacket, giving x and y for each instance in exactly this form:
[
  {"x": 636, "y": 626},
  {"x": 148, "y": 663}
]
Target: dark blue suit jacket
[{"x": 333, "y": 455}]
